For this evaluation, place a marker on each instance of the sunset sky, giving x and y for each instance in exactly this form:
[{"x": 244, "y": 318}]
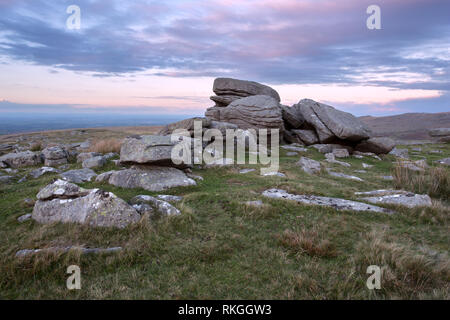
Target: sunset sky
[{"x": 161, "y": 57}]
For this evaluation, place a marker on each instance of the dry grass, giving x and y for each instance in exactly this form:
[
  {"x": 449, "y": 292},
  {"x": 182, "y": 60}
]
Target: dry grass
[
  {"x": 405, "y": 271},
  {"x": 106, "y": 145},
  {"x": 434, "y": 181},
  {"x": 37, "y": 146},
  {"x": 307, "y": 241}
]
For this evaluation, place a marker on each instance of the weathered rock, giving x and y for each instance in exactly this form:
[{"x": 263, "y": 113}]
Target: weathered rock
[
  {"x": 308, "y": 137},
  {"x": 340, "y": 153},
  {"x": 66, "y": 202},
  {"x": 151, "y": 178},
  {"x": 87, "y": 155},
  {"x": 21, "y": 159},
  {"x": 223, "y": 126},
  {"x": 440, "y": 132},
  {"x": 399, "y": 153},
  {"x": 291, "y": 117},
  {"x": 24, "y": 218},
  {"x": 220, "y": 163},
  {"x": 305, "y": 108},
  {"x": 169, "y": 198},
  {"x": 6, "y": 179},
  {"x": 105, "y": 176},
  {"x": 376, "y": 145},
  {"x": 398, "y": 197},
  {"x": 343, "y": 175},
  {"x": 41, "y": 171},
  {"x": 29, "y": 252},
  {"x": 187, "y": 124},
  {"x": 54, "y": 156},
  {"x": 310, "y": 166},
  {"x": 445, "y": 161},
  {"x": 244, "y": 171},
  {"x": 274, "y": 174},
  {"x": 336, "y": 203},
  {"x": 294, "y": 147},
  {"x": 163, "y": 207},
  {"x": 330, "y": 148},
  {"x": 153, "y": 150},
  {"x": 78, "y": 176},
  {"x": 388, "y": 178},
  {"x": 291, "y": 137},
  {"x": 292, "y": 154},
  {"x": 342, "y": 124},
  {"x": 253, "y": 113},
  {"x": 330, "y": 157},
  {"x": 223, "y": 101},
  {"x": 360, "y": 155},
  {"x": 235, "y": 87},
  {"x": 94, "y": 162},
  {"x": 419, "y": 165}
]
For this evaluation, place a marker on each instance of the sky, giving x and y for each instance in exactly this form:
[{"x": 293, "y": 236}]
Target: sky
[{"x": 161, "y": 57}]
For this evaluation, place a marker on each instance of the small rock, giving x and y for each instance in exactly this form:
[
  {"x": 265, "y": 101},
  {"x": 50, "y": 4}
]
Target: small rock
[
  {"x": 24, "y": 218},
  {"x": 398, "y": 197},
  {"x": 163, "y": 207},
  {"x": 94, "y": 162},
  {"x": 271, "y": 174},
  {"x": 78, "y": 176},
  {"x": 344, "y": 176},
  {"x": 169, "y": 198},
  {"x": 87, "y": 155},
  {"x": 310, "y": 166},
  {"x": 257, "y": 203},
  {"x": 330, "y": 157},
  {"x": 292, "y": 154},
  {"x": 399, "y": 153},
  {"x": 294, "y": 148},
  {"x": 367, "y": 166},
  {"x": 41, "y": 171},
  {"x": 388, "y": 178},
  {"x": 28, "y": 252},
  {"x": 445, "y": 161},
  {"x": 244, "y": 171}
]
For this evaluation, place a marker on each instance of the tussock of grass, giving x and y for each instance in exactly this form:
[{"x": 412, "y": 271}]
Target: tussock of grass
[
  {"x": 308, "y": 242},
  {"x": 106, "y": 145},
  {"x": 405, "y": 271},
  {"x": 434, "y": 181}
]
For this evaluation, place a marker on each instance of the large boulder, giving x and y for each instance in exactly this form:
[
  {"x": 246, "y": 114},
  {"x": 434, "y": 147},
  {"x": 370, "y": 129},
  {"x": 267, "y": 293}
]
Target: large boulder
[
  {"x": 379, "y": 145},
  {"x": 68, "y": 203},
  {"x": 187, "y": 124},
  {"x": 242, "y": 88},
  {"x": 253, "y": 113},
  {"x": 150, "y": 178},
  {"x": 292, "y": 118},
  {"x": 308, "y": 137},
  {"x": 343, "y": 125},
  {"x": 152, "y": 150},
  {"x": 21, "y": 159},
  {"x": 305, "y": 108}
]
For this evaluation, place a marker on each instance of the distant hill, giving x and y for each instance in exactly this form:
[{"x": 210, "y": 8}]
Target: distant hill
[{"x": 407, "y": 126}]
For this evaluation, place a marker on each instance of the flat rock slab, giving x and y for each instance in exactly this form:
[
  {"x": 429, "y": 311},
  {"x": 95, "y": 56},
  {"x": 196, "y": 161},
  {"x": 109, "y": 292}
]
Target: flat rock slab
[
  {"x": 29, "y": 252},
  {"x": 78, "y": 176},
  {"x": 162, "y": 207},
  {"x": 151, "y": 178},
  {"x": 294, "y": 148},
  {"x": 398, "y": 197},
  {"x": 244, "y": 171},
  {"x": 308, "y": 165},
  {"x": 41, "y": 171},
  {"x": 338, "y": 204},
  {"x": 343, "y": 175}
]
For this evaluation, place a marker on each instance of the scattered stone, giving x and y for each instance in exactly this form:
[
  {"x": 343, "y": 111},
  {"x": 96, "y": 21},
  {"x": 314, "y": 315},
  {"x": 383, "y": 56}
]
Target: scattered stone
[
  {"x": 435, "y": 151},
  {"x": 295, "y": 148},
  {"x": 360, "y": 171},
  {"x": 244, "y": 171},
  {"x": 343, "y": 175},
  {"x": 169, "y": 198},
  {"x": 445, "y": 161},
  {"x": 105, "y": 176},
  {"x": 21, "y": 159},
  {"x": 310, "y": 166},
  {"x": 79, "y": 176},
  {"x": 194, "y": 176},
  {"x": 6, "y": 179},
  {"x": 330, "y": 157},
  {"x": 11, "y": 171},
  {"x": 28, "y": 252},
  {"x": 329, "y": 148},
  {"x": 87, "y": 155},
  {"x": 66, "y": 202},
  {"x": 163, "y": 207},
  {"x": 271, "y": 174},
  {"x": 41, "y": 171},
  {"x": 24, "y": 218},
  {"x": 419, "y": 165},
  {"x": 359, "y": 154},
  {"x": 399, "y": 153},
  {"x": 292, "y": 154},
  {"x": 54, "y": 156},
  {"x": 388, "y": 178},
  {"x": 94, "y": 162},
  {"x": 150, "y": 178},
  {"x": 341, "y": 153},
  {"x": 398, "y": 197},
  {"x": 336, "y": 203},
  {"x": 367, "y": 166},
  {"x": 417, "y": 149}
]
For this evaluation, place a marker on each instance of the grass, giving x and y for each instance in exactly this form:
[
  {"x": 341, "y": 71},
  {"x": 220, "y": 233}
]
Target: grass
[
  {"x": 220, "y": 248},
  {"x": 106, "y": 145}
]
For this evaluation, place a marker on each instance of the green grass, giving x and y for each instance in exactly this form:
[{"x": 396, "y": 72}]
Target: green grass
[{"x": 221, "y": 249}]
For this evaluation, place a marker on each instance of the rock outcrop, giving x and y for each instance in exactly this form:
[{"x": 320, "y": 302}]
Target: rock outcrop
[
  {"x": 21, "y": 159},
  {"x": 397, "y": 197},
  {"x": 54, "y": 156},
  {"x": 65, "y": 202},
  {"x": 443, "y": 134}
]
